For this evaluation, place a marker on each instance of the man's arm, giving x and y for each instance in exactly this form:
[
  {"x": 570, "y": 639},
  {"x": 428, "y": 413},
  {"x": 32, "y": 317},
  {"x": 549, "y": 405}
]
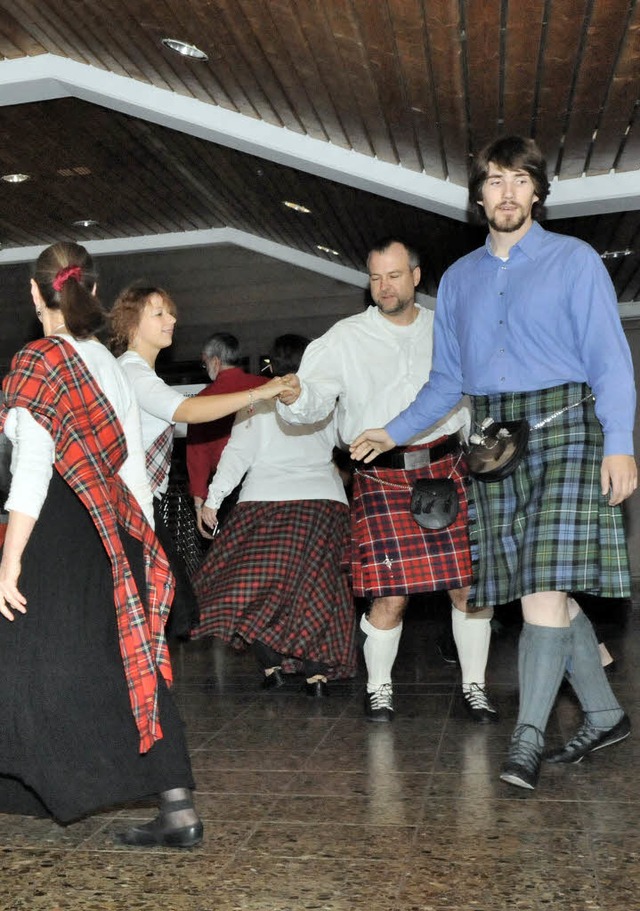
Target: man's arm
[{"x": 312, "y": 392}]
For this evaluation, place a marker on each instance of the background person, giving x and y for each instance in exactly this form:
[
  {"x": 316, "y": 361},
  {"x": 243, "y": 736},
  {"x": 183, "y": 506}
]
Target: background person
[
  {"x": 206, "y": 442},
  {"x": 86, "y": 717},
  {"x": 273, "y": 576},
  {"x": 142, "y": 323}
]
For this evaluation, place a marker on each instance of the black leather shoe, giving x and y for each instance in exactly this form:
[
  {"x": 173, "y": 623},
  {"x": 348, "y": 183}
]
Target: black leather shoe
[
  {"x": 522, "y": 767},
  {"x": 478, "y": 706},
  {"x": 317, "y": 690},
  {"x": 274, "y": 680},
  {"x": 378, "y": 706},
  {"x": 157, "y": 832},
  {"x": 588, "y": 740}
]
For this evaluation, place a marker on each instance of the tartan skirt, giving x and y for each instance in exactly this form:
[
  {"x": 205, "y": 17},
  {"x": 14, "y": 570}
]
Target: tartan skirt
[
  {"x": 391, "y": 554},
  {"x": 274, "y": 574},
  {"x": 547, "y": 527}
]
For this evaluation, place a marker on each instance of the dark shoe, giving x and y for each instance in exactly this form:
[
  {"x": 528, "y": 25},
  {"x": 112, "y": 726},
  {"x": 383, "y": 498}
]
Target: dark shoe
[
  {"x": 317, "y": 690},
  {"x": 522, "y": 768},
  {"x": 588, "y": 740},
  {"x": 446, "y": 648},
  {"x": 274, "y": 680},
  {"x": 157, "y": 832},
  {"x": 478, "y": 706},
  {"x": 378, "y": 706}
]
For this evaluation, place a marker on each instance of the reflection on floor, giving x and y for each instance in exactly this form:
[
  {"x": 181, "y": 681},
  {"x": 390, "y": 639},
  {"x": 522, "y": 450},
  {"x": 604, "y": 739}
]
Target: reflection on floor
[{"x": 309, "y": 808}]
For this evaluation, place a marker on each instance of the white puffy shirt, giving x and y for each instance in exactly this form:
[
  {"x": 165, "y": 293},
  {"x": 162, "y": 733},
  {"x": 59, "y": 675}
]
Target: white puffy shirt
[
  {"x": 33, "y": 451},
  {"x": 281, "y": 461},
  {"x": 373, "y": 368},
  {"x": 158, "y": 402}
]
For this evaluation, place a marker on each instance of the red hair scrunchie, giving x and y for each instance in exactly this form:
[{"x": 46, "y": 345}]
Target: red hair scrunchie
[{"x": 64, "y": 275}]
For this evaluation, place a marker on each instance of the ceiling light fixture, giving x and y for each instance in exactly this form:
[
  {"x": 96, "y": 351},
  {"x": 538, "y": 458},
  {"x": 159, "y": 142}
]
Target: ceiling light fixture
[
  {"x": 296, "y": 206},
  {"x": 16, "y": 178},
  {"x": 324, "y": 249},
  {"x": 616, "y": 254},
  {"x": 184, "y": 49},
  {"x": 85, "y": 223}
]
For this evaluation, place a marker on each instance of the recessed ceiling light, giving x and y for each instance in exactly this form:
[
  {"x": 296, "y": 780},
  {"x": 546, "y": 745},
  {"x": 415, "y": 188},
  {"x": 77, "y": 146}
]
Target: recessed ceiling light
[
  {"x": 324, "y": 249},
  {"x": 15, "y": 178},
  {"x": 85, "y": 223},
  {"x": 184, "y": 49},
  {"x": 616, "y": 254},
  {"x": 296, "y": 207}
]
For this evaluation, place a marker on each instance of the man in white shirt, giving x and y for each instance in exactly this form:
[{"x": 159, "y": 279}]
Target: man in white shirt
[{"x": 368, "y": 367}]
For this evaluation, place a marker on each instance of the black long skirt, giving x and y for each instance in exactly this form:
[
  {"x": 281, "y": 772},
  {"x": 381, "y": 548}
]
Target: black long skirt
[{"x": 69, "y": 744}]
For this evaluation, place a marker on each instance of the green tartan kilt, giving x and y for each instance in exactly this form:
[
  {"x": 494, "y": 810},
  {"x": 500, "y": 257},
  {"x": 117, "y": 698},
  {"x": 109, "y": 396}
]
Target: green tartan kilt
[{"x": 547, "y": 527}]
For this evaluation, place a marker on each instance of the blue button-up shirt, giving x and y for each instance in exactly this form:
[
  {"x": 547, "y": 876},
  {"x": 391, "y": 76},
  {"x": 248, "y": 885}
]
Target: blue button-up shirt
[{"x": 546, "y": 316}]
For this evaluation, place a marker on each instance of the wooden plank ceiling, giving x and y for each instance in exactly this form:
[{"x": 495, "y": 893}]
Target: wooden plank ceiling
[{"x": 420, "y": 84}]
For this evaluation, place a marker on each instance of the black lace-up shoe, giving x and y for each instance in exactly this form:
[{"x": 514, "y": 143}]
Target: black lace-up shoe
[
  {"x": 478, "y": 706},
  {"x": 588, "y": 740},
  {"x": 522, "y": 767},
  {"x": 378, "y": 706}
]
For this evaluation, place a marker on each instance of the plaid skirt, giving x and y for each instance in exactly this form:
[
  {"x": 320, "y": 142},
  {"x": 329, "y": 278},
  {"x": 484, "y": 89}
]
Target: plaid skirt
[
  {"x": 547, "y": 527},
  {"x": 393, "y": 555},
  {"x": 274, "y": 574}
]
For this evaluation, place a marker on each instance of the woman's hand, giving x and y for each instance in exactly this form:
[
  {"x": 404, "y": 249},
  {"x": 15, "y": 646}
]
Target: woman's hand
[
  {"x": 11, "y": 599},
  {"x": 371, "y": 443},
  {"x": 270, "y": 390},
  {"x": 207, "y": 522}
]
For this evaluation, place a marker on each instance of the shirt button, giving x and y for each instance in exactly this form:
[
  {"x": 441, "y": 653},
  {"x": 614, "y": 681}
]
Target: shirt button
[
  {"x": 500, "y": 322},
  {"x": 502, "y": 379}
]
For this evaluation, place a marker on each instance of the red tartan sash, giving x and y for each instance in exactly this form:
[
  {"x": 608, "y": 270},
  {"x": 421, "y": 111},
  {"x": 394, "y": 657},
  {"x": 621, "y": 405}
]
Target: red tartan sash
[
  {"x": 49, "y": 379},
  {"x": 158, "y": 458}
]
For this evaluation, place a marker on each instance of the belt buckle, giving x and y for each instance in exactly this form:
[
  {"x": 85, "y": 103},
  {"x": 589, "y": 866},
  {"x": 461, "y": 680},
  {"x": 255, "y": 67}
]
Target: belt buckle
[{"x": 417, "y": 458}]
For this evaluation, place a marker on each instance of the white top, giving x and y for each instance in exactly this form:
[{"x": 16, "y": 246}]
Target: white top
[
  {"x": 33, "y": 451},
  {"x": 281, "y": 461},
  {"x": 374, "y": 368},
  {"x": 158, "y": 402}
]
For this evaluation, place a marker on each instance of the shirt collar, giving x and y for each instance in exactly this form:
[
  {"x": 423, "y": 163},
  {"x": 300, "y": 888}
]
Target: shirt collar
[{"x": 530, "y": 244}]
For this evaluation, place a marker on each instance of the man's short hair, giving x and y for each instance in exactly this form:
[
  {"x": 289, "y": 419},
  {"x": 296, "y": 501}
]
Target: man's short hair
[
  {"x": 513, "y": 153},
  {"x": 382, "y": 245},
  {"x": 222, "y": 345}
]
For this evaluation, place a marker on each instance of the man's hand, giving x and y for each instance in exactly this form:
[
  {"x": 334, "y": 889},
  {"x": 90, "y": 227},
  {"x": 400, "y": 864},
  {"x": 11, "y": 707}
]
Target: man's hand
[
  {"x": 207, "y": 522},
  {"x": 292, "y": 393},
  {"x": 371, "y": 443},
  {"x": 618, "y": 478}
]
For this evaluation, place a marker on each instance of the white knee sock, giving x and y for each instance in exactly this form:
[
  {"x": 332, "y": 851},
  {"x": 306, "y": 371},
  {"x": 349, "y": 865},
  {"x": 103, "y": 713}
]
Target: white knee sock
[
  {"x": 472, "y": 635},
  {"x": 380, "y": 650}
]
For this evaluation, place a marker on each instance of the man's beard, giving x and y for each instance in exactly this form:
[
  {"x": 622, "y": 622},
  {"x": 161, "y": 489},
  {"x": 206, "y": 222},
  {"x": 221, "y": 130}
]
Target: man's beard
[
  {"x": 401, "y": 304},
  {"x": 510, "y": 226}
]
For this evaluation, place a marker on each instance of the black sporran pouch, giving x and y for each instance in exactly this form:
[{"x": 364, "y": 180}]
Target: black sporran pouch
[
  {"x": 497, "y": 449},
  {"x": 434, "y": 502}
]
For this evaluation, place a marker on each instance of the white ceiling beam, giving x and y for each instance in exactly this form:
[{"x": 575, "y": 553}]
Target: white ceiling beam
[{"x": 47, "y": 76}]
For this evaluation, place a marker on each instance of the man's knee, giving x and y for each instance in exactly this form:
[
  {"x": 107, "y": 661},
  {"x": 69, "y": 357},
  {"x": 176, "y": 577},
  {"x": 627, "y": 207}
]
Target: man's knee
[{"x": 387, "y": 613}]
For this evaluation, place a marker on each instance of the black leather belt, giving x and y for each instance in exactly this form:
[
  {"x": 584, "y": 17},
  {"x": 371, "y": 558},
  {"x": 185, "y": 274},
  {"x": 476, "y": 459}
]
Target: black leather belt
[{"x": 417, "y": 458}]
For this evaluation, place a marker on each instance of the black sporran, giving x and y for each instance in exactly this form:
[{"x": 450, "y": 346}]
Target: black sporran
[
  {"x": 496, "y": 450},
  {"x": 434, "y": 502}
]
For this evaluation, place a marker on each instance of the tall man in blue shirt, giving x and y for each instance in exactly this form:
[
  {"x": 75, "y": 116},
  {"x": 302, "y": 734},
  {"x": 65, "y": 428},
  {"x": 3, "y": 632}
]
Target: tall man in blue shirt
[{"x": 528, "y": 326}]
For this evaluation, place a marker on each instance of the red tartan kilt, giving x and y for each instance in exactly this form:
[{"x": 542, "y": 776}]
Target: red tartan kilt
[
  {"x": 391, "y": 553},
  {"x": 274, "y": 574}
]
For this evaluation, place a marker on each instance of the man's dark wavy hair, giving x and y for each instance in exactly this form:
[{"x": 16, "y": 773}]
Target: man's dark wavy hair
[{"x": 512, "y": 153}]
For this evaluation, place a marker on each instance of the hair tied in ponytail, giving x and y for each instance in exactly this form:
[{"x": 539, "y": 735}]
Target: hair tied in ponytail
[{"x": 64, "y": 275}]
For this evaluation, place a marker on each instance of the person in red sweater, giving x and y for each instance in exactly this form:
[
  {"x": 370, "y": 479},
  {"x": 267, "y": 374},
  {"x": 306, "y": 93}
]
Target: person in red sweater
[{"x": 205, "y": 442}]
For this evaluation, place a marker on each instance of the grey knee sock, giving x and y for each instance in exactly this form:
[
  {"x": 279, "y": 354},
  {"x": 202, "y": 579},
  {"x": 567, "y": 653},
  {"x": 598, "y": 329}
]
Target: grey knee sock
[
  {"x": 543, "y": 652},
  {"x": 588, "y": 679}
]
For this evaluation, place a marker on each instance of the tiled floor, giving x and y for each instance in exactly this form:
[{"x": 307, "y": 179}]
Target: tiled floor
[{"x": 309, "y": 808}]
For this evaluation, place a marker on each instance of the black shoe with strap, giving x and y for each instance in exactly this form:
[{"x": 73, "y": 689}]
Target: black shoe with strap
[
  {"x": 588, "y": 740},
  {"x": 160, "y": 832}
]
